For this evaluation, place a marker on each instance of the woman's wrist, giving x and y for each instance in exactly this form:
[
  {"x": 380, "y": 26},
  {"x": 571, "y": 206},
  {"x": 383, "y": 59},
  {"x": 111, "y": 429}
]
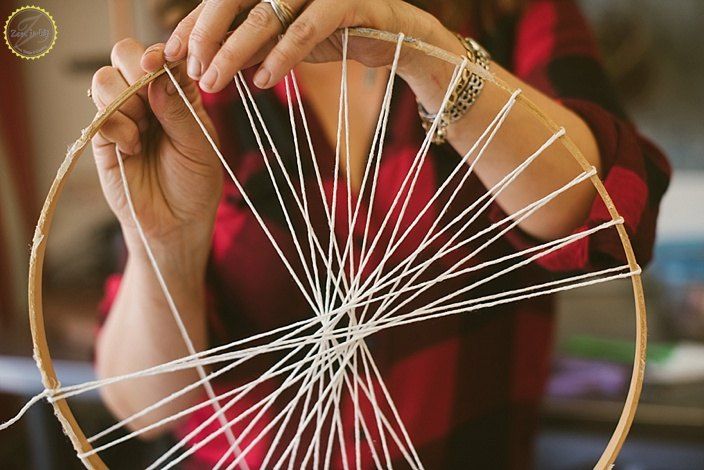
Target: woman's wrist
[
  {"x": 428, "y": 76},
  {"x": 184, "y": 252}
]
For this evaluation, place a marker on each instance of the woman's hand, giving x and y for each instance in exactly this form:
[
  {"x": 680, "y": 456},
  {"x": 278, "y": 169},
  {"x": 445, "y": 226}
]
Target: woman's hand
[
  {"x": 311, "y": 37},
  {"x": 174, "y": 176}
]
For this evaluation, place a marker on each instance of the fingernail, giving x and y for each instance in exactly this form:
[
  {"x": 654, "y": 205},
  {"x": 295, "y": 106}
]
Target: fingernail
[
  {"x": 194, "y": 68},
  {"x": 209, "y": 79},
  {"x": 173, "y": 45},
  {"x": 261, "y": 79}
]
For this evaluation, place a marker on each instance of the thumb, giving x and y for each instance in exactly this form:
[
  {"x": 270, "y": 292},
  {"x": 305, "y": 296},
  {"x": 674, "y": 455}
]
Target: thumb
[{"x": 173, "y": 114}]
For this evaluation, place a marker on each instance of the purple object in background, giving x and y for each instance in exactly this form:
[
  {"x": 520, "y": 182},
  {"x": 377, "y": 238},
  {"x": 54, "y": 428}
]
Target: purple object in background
[{"x": 581, "y": 377}]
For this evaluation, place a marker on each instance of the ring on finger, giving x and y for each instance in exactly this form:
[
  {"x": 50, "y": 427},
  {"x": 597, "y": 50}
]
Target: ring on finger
[{"x": 282, "y": 11}]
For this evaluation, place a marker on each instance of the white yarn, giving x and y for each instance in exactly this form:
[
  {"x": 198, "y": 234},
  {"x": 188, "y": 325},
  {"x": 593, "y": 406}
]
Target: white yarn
[
  {"x": 239, "y": 187},
  {"x": 24, "y": 409},
  {"x": 165, "y": 289}
]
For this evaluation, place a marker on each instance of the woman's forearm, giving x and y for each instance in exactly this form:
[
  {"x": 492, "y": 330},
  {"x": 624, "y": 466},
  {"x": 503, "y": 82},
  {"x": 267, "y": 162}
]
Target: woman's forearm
[
  {"x": 175, "y": 183},
  {"x": 140, "y": 331},
  {"x": 521, "y": 134}
]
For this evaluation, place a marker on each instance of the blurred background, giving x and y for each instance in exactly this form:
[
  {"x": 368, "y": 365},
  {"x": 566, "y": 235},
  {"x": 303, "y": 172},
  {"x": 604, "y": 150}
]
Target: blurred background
[{"x": 654, "y": 53}]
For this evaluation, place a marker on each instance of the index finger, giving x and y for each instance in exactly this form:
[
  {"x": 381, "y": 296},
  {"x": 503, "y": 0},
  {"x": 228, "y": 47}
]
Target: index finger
[
  {"x": 258, "y": 31},
  {"x": 209, "y": 31}
]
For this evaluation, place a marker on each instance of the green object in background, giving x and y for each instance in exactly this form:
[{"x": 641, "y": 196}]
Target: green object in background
[
  {"x": 668, "y": 363},
  {"x": 612, "y": 350}
]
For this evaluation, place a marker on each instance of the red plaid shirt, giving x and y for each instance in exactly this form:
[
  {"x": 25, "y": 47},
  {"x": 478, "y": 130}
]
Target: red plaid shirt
[{"x": 467, "y": 386}]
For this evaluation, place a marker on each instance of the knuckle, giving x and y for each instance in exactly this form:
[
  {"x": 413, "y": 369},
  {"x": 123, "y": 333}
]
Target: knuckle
[
  {"x": 226, "y": 55},
  {"x": 184, "y": 26},
  {"x": 215, "y": 5},
  {"x": 260, "y": 17},
  {"x": 282, "y": 55},
  {"x": 199, "y": 35},
  {"x": 302, "y": 32}
]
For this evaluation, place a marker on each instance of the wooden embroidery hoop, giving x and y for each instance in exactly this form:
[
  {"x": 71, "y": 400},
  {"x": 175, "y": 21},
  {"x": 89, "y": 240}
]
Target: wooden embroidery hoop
[{"x": 42, "y": 354}]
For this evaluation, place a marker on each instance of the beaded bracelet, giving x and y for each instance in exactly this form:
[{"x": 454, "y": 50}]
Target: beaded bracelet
[{"x": 463, "y": 96}]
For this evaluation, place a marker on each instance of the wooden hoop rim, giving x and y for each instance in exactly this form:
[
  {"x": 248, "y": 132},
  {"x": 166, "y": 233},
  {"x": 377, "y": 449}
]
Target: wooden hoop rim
[{"x": 42, "y": 354}]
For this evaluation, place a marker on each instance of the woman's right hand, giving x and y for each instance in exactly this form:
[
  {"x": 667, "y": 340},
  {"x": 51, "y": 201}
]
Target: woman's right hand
[{"x": 174, "y": 176}]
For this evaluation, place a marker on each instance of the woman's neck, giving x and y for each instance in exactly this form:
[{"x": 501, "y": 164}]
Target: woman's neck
[{"x": 321, "y": 82}]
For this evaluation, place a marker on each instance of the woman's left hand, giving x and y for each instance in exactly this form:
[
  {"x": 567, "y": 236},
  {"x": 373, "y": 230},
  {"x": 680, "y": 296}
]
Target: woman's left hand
[{"x": 312, "y": 36}]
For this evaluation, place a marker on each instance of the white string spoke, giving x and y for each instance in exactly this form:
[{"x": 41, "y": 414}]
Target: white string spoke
[
  {"x": 301, "y": 180},
  {"x": 230, "y": 404},
  {"x": 341, "y": 120},
  {"x": 318, "y": 178},
  {"x": 336, "y": 429},
  {"x": 380, "y": 127},
  {"x": 377, "y": 415},
  {"x": 369, "y": 360},
  {"x": 247, "y": 97},
  {"x": 300, "y": 428},
  {"x": 415, "y": 169},
  {"x": 376, "y": 325},
  {"x": 487, "y": 199},
  {"x": 165, "y": 289},
  {"x": 491, "y": 130},
  {"x": 377, "y": 146},
  {"x": 534, "y": 288},
  {"x": 486, "y": 137},
  {"x": 292, "y": 378},
  {"x": 524, "y": 214},
  {"x": 362, "y": 426},
  {"x": 551, "y": 247},
  {"x": 282, "y": 428},
  {"x": 241, "y": 357},
  {"x": 276, "y": 419},
  {"x": 348, "y": 170},
  {"x": 285, "y": 413},
  {"x": 416, "y": 317},
  {"x": 383, "y": 421},
  {"x": 514, "y": 218},
  {"x": 202, "y": 358},
  {"x": 239, "y": 418},
  {"x": 242, "y": 191},
  {"x": 240, "y": 392},
  {"x": 339, "y": 374}
]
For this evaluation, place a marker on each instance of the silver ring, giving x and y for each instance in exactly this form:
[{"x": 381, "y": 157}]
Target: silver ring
[{"x": 282, "y": 12}]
